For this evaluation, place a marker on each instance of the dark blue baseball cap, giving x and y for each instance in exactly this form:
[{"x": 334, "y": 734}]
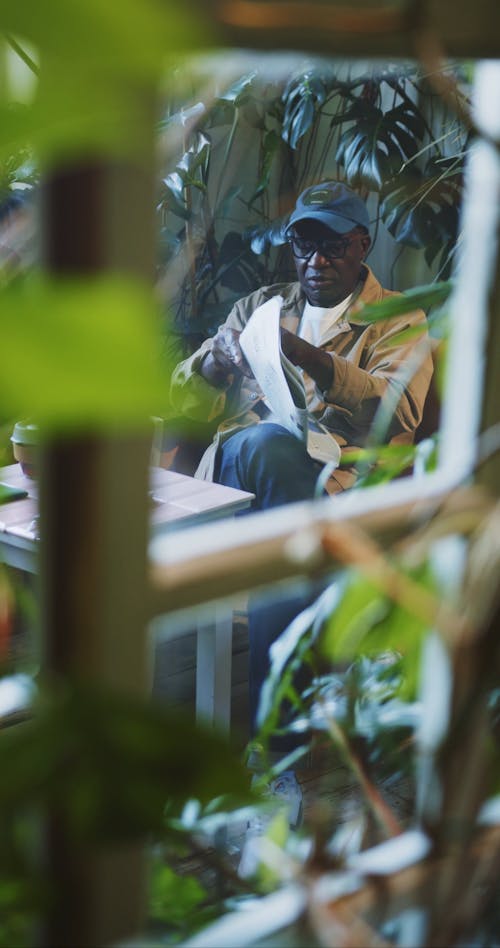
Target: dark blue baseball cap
[{"x": 332, "y": 203}]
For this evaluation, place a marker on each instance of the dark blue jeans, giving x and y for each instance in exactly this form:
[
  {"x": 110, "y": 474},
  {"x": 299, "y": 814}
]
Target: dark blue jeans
[
  {"x": 269, "y": 462},
  {"x": 274, "y": 465}
]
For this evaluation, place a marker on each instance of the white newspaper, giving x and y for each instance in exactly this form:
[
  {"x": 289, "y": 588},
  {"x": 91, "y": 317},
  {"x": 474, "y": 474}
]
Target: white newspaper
[{"x": 282, "y": 382}]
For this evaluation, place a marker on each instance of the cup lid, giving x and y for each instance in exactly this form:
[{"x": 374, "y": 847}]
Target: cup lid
[{"x": 25, "y": 433}]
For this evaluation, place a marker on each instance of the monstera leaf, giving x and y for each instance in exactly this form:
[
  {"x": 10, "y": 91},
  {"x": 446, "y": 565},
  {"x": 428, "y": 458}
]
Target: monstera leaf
[
  {"x": 302, "y": 98},
  {"x": 172, "y": 197},
  {"x": 193, "y": 166},
  {"x": 239, "y": 91},
  {"x": 421, "y": 208},
  {"x": 272, "y": 235},
  {"x": 378, "y": 143},
  {"x": 190, "y": 171}
]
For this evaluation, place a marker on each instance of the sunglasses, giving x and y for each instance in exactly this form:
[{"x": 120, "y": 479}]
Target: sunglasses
[{"x": 331, "y": 249}]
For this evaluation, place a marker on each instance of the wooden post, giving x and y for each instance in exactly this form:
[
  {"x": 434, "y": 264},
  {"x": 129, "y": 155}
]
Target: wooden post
[{"x": 93, "y": 499}]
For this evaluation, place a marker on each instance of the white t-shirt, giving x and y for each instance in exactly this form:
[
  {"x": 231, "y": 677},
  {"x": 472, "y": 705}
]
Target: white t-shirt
[
  {"x": 316, "y": 327},
  {"x": 317, "y": 322}
]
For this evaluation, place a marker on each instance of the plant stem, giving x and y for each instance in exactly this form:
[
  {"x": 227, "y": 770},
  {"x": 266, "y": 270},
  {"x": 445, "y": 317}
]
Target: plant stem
[{"x": 375, "y": 800}]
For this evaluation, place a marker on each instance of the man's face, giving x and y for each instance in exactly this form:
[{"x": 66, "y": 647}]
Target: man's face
[{"x": 328, "y": 279}]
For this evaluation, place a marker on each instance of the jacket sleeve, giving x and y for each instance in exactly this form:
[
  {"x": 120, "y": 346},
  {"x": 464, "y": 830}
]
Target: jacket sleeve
[
  {"x": 395, "y": 373},
  {"x": 191, "y": 396}
]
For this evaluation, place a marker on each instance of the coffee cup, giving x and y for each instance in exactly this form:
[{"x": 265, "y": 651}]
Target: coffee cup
[{"x": 25, "y": 440}]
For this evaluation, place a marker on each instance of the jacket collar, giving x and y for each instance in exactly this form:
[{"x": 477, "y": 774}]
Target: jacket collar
[{"x": 371, "y": 291}]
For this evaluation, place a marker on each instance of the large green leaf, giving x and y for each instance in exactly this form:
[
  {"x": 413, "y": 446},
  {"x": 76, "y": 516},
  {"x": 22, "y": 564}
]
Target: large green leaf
[
  {"x": 418, "y": 297},
  {"x": 420, "y": 208},
  {"x": 367, "y": 622},
  {"x": 111, "y": 763},
  {"x": 195, "y": 159},
  {"x": 172, "y": 197},
  {"x": 303, "y": 98},
  {"x": 175, "y": 899},
  {"x": 80, "y": 353},
  {"x": 376, "y": 145},
  {"x": 183, "y": 118},
  {"x": 272, "y": 235},
  {"x": 382, "y": 463},
  {"x": 94, "y": 70}
]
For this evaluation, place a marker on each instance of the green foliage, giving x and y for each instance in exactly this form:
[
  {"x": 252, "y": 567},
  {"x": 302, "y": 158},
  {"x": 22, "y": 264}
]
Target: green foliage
[
  {"x": 80, "y": 354},
  {"x": 110, "y": 763},
  {"x": 173, "y": 898},
  {"x": 16, "y": 919},
  {"x": 421, "y": 210},
  {"x": 375, "y": 125},
  {"x": 84, "y": 355},
  {"x": 290, "y": 651},
  {"x": 91, "y": 107},
  {"x": 303, "y": 97},
  {"x": 418, "y": 297},
  {"x": 368, "y": 622},
  {"x": 267, "y": 877},
  {"x": 381, "y": 464},
  {"x": 367, "y": 708},
  {"x": 354, "y": 621},
  {"x": 384, "y": 462},
  {"x": 377, "y": 144}
]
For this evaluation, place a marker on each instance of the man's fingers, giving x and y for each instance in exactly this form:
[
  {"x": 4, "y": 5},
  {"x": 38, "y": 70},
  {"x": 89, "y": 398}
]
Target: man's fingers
[{"x": 227, "y": 352}]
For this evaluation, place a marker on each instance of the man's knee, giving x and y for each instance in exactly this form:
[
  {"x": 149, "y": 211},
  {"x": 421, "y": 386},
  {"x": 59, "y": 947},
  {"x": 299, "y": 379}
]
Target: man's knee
[
  {"x": 270, "y": 442},
  {"x": 269, "y": 462}
]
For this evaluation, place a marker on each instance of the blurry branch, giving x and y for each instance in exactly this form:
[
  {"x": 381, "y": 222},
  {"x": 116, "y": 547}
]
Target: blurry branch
[
  {"x": 481, "y": 593},
  {"x": 488, "y": 444},
  {"x": 313, "y": 551},
  {"x": 406, "y": 889},
  {"x": 380, "y": 809},
  {"x": 297, "y": 15},
  {"x": 465, "y": 762}
]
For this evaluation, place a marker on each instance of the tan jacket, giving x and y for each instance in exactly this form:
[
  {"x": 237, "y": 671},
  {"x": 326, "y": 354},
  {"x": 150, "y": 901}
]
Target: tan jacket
[{"x": 369, "y": 362}]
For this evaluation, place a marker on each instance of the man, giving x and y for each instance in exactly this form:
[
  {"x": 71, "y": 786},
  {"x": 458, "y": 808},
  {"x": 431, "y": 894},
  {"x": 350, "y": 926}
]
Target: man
[{"x": 349, "y": 366}]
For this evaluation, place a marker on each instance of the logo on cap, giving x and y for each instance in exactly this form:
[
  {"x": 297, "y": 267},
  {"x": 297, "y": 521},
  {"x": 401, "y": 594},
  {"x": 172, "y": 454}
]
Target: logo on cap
[{"x": 317, "y": 196}]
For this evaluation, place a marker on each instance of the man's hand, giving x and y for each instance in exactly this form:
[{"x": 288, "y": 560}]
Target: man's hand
[
  {"x": 316, "y": 362},
  {"x": 225, "y": 358}
]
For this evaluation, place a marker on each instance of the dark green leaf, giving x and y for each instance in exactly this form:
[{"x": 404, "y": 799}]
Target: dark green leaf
[
  {"x": 377, "y": 143},
  {"x": 302, "y": 97},
  {"x": 111, "y": 763},
  {"x": 173, "y": 198},
  {"x": 272, "y": 236}
]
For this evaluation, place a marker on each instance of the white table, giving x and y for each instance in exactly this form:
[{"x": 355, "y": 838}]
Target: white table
[{"x": 178, "y": 501}]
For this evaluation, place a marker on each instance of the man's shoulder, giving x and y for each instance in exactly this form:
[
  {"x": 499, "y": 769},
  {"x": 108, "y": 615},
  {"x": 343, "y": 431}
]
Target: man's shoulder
[
  {"x": 291, "y": 293},
  {"x": 374, "y": 292}
]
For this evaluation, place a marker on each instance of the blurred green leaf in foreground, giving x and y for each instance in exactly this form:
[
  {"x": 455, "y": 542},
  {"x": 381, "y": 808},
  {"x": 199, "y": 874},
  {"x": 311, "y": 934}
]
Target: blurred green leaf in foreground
[{"x": 80, "y": 354}]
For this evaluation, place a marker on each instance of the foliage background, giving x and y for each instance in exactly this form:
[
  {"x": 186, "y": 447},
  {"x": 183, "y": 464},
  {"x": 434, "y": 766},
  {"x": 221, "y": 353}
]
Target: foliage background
[
  {"x": 64, "y": 756},
  {"x": 250, "y": 138}
]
